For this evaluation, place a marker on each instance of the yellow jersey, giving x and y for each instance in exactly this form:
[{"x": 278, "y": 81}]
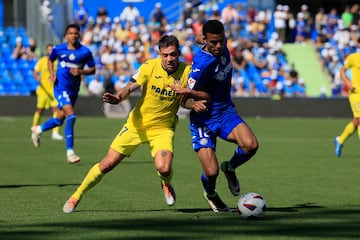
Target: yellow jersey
[
  {"x": 158, "y": 104},
  {"x": 46, "y": 87},
  {"x": 352, "y": 62}
]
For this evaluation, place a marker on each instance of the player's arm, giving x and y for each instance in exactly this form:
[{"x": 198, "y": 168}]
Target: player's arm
[
  {"x": 190, "y": 93},
  {"x": 122, "y": 94},
  {"x": 36, "y": 75},
  {"x": 190, "y": 103},
  {"x": 347, "y": 82},
  {"x": 51, "y": 70}
]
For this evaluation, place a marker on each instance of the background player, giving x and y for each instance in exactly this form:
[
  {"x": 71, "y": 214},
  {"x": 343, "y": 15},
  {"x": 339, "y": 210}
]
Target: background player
[
  {"x": 45, "y": 91},
  {"x": 352, "y": 62},
  {"x": 72, "y": 58}
]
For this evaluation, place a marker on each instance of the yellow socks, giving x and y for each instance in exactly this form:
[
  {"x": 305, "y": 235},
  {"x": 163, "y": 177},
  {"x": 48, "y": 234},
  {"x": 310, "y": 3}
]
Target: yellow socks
[
  {"x": 92, "y": 178},
  {"x": 347, "y": 132},
  {"x": 36, "y": 119}
]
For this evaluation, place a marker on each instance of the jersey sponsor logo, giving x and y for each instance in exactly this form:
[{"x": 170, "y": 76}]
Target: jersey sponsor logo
[
  {"x": 163, "y": 92},
  {"x": 64, "y": 64},
  {"x": 191, "y": 82},
  {"x": 196, "y": 70},
  {"x": 223, "y": 74},
  {"x": 63, "y": 55}
]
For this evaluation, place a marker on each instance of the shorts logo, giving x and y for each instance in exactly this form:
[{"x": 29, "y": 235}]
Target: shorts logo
[{"x": 203, "y": 141}]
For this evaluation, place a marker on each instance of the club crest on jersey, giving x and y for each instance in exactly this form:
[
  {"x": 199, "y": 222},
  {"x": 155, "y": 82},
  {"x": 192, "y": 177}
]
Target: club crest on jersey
[
  {"x": 72, "y": 57},
  {"x": 191, "y": 82}
]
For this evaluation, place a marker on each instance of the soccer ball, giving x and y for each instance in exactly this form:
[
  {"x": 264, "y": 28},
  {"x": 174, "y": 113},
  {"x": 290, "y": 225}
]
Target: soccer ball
[{"x": 251, "y": 205}]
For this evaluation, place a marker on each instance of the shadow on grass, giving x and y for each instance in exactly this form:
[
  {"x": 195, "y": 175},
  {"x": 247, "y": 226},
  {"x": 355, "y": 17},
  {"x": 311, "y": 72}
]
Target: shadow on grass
[
  {"x": 305, "y": 221},
  {"x": 37, "y": 185}
]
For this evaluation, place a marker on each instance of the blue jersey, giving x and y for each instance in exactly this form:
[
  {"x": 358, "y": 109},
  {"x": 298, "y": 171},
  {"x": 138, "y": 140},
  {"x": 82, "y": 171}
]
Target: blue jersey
[
  {"x": 67, "y": 59},
  {"x": 212, "y": 75}
]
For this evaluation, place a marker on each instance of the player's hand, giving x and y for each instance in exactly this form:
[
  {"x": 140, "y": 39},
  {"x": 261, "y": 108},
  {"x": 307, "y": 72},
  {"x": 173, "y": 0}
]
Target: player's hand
[
  {"x": 199, "y": 106},
  {"x": 75, "y": 71},
  {"x": 178, "y": 89},
  {"x": 111, "y": 98}
]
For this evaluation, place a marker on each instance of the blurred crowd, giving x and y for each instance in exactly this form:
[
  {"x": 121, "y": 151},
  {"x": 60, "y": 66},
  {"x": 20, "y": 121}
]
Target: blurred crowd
[
  {"x": 255, "y": 38},
  {"x": 122, "y": 43}
]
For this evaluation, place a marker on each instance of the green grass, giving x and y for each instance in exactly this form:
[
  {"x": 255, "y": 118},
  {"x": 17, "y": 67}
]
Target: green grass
[{"x": 310, "y": 193}]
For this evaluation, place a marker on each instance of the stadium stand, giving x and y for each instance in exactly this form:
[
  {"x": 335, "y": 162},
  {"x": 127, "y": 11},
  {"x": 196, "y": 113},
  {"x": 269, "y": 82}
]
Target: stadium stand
[{"x": 259, "y": 49}]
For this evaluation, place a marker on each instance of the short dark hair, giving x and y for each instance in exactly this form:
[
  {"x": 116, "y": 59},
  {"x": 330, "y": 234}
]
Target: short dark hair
[
  {"x": 167, "y": 41},
  {"x": 213, "y": 26},
  {"x": 72, "y": 25}
]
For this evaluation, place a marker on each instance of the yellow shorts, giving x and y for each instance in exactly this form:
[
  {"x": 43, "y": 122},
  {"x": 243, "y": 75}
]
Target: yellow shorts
[
  {"x": 127, "y": 140},
  {"x": 354, "y": 99},
  {"x": 45, "y": 102}
]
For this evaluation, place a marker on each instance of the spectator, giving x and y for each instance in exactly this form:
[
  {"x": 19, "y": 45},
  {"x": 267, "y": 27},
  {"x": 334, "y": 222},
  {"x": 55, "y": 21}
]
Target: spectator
[
  {"x": 280, "y": 18},
  {"x": 129, "y": 14},
  {"x": 96, "y": 87},
  {"x": 347, "y": 17},
  {"x": 101, "y": 14},
  {"x": 320, "y": 20},
  {"x": 81, "y": 15},
  {"x": 158, "y": 16},
  {"x": 229, "y": 14}
]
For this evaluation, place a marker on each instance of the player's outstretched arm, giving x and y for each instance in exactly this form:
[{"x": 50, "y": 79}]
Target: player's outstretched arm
[{"x": 122, "y": 94}]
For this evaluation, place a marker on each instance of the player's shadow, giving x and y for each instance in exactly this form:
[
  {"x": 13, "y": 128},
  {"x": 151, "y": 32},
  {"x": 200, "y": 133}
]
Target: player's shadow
[{"x": 37, "y": 185}]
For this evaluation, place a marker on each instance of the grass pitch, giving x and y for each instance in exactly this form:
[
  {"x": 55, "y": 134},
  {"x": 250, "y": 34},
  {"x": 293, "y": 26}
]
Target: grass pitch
[{"x": 310, "y": 193}]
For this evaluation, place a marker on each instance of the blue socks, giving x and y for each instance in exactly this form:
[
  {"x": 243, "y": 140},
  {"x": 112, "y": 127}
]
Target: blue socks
[{"x": 69, "y": 131}]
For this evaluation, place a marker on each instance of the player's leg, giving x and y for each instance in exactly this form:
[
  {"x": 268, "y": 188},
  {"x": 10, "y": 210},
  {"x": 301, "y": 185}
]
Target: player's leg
[
  {"x": 55, "y": 132},
  {"x": 352, "y": 126},
  {"x": 40, "y": 106},
  {"x": 37, "y": 116},
  {"x": 69, "y": 133},
  {"x": 93, "y": 177},
  {"x": 236, "y": 130},
  {"x": 204, "y": 143},
  {"x": 124, "y": 144},
  {"x": 208, "y": 179},
  {"x": 161, "y": 147},
  {"x": 49, "y": 124}
]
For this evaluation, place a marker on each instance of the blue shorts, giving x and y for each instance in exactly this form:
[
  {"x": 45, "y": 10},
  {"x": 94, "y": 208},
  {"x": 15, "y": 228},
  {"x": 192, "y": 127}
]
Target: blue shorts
[
  {"x": 204, "y": 134},
  {"x": 64, "y": 97}
]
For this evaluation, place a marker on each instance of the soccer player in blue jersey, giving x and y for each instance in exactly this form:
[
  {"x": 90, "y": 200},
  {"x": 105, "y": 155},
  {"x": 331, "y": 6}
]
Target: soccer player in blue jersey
[
  {"x": 210, "y": 81},
  {"x": 72, "y": 58}
]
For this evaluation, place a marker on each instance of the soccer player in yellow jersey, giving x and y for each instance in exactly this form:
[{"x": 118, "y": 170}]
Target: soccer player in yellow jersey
[
  {"x": 152, "y": 121},
  {"x": 352, "y": 62},
  {"x": 45, "y": 92}
]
